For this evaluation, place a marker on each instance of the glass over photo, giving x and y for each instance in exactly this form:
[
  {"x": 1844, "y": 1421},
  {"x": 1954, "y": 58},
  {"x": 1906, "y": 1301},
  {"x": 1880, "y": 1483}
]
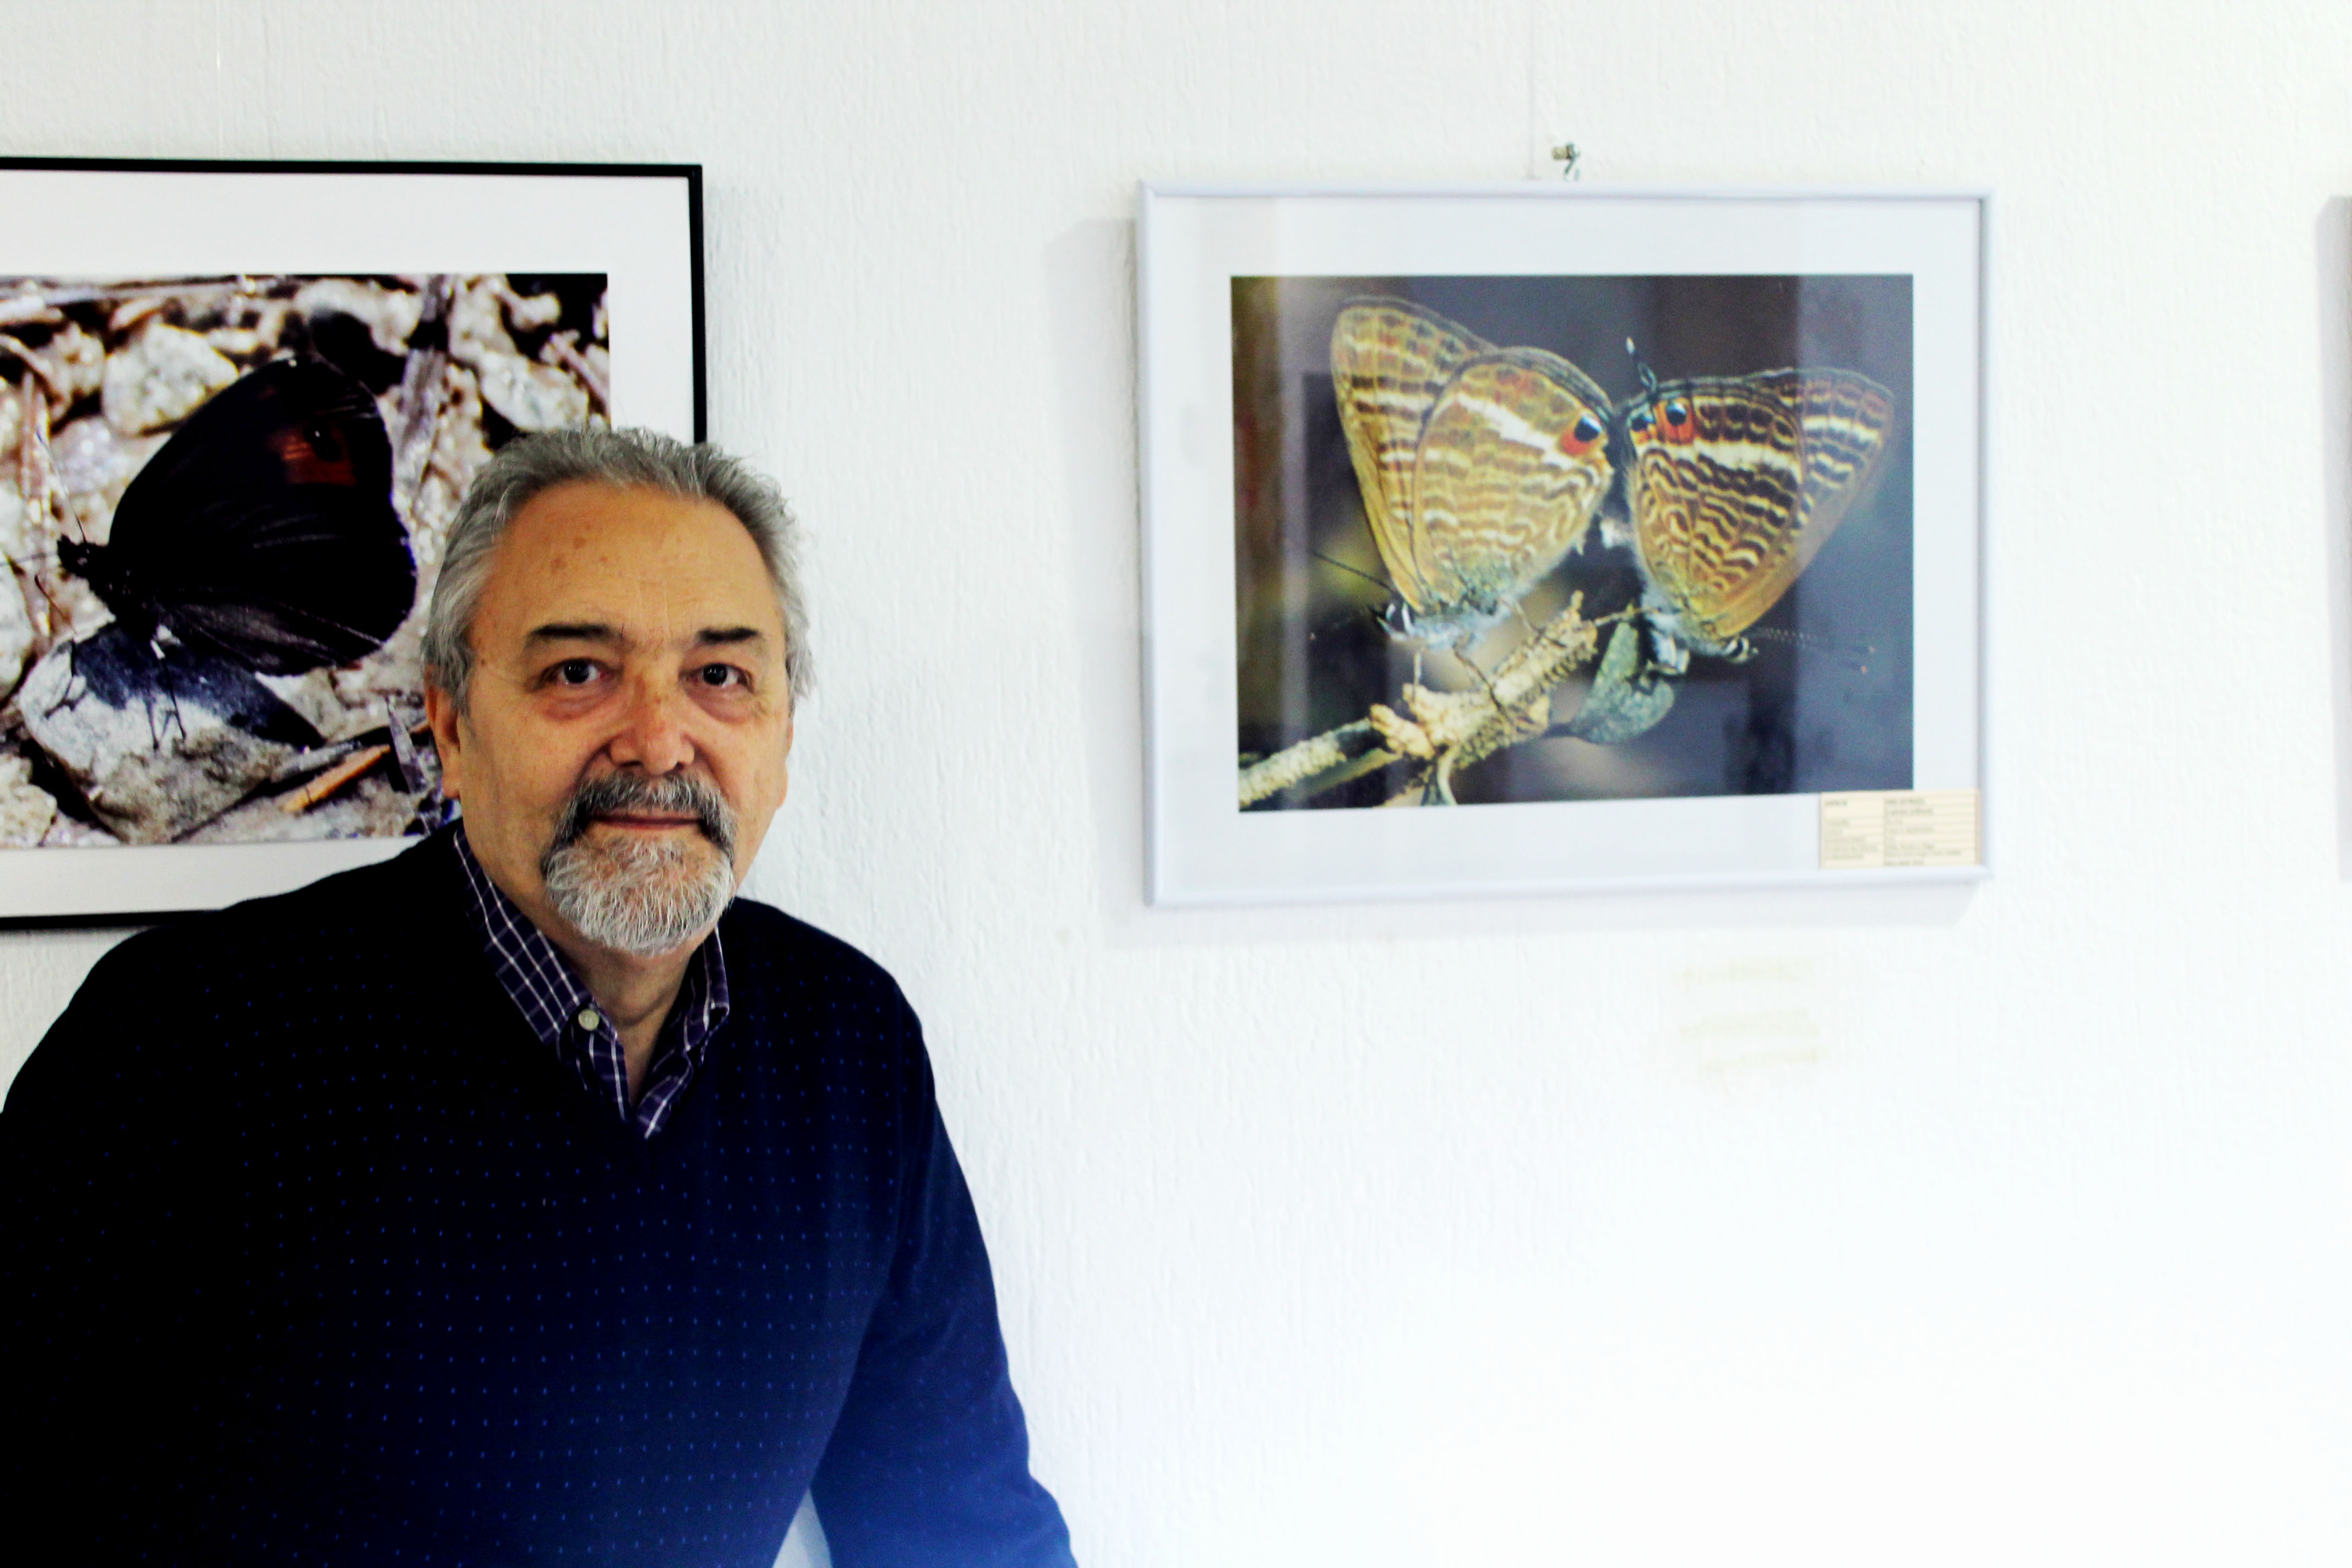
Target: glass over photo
[
  {"x": 222, "y": 505},
  {"x": 1518, "y": 539}
]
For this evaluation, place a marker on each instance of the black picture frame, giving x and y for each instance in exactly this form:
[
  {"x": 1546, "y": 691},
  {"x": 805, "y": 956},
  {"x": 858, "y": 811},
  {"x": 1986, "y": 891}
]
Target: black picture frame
[{"x": 152, "y": 226}]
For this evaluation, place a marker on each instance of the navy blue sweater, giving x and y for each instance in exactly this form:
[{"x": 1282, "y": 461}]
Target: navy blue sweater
[{"x": 317, "y": 1255}]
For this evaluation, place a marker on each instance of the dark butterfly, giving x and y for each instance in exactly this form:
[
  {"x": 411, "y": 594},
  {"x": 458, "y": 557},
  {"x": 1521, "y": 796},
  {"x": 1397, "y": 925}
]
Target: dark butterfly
[
  {"x": 263, "y": 533},
  {"x": 122, "y": 670}
]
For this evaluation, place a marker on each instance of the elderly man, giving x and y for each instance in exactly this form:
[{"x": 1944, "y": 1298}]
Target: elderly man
[{"x": 524, "y": 1198}]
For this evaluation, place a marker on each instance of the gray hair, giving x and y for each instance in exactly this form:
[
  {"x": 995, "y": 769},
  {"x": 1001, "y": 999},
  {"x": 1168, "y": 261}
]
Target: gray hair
[{"x": 625, "y": 459}]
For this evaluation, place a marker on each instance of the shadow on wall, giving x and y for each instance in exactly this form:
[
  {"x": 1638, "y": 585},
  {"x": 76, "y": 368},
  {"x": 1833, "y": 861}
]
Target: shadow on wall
[{"x": 2333, "y": 250}]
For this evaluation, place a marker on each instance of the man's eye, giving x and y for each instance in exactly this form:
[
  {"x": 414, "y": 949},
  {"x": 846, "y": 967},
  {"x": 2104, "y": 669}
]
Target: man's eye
[
  {"x": 720, "y": 675},
  {"x": 573, "y": 672}
]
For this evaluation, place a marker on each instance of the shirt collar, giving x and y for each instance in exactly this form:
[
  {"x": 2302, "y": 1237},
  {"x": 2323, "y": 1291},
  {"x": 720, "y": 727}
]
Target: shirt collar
[{"x": 541, "y": 981}]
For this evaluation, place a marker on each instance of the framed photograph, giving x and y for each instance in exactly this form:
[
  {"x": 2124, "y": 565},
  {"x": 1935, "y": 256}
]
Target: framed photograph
[
  {"x": 239, "y": 405},
  {"x": 1539, "y": 538}
]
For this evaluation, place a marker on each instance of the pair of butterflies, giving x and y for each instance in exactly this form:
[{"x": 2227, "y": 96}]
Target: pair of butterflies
[
  {"x": 263, "y": 533},
  {"x": 1482, "y": 467}
]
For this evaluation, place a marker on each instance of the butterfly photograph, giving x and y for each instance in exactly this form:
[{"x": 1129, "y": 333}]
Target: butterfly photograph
[
  {"x": 1574, "y": 538},
  {"x": 1543, "y": 536},
  {"x": 223, "y": 501}
]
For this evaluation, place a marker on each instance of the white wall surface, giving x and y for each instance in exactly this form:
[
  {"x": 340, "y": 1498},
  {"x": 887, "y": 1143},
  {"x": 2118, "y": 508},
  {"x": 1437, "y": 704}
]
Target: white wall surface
[{"x": 2007, "y": 1224}]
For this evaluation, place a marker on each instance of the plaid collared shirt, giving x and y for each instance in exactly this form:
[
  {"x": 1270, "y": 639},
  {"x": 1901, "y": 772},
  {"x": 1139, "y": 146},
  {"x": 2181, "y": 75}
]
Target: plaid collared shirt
[{"x": 563, "y": 1015}]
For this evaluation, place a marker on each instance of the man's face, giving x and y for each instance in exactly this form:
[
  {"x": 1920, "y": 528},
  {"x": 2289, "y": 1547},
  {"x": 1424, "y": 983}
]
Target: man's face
[{"x": 629, "y": 657}]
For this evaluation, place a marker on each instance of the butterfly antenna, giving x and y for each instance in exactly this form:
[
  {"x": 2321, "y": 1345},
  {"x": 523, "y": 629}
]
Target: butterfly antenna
[
  {"x": 1380, "y": 583},
  {"x": 1855, "y": 656},
  {"x": 1649, "y": 376},
  {"x": 56, "y": 611},
  {"x": 1366, "y": 609},
  {"x": 1535, "y": 633}
]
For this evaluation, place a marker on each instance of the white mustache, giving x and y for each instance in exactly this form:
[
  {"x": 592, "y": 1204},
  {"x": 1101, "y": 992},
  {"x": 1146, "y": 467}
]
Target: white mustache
[{"x": 688, "y": 795}]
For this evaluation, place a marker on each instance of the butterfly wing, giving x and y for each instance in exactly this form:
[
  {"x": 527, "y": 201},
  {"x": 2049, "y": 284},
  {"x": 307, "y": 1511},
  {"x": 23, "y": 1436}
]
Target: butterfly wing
[
  {"x": 289, "y": 586},
  {"x": 1734, "y": 483},
  {"x": 1390, "y": 362},
  {"x": 264, "y": 530},
  {"x": 1512, "y": 465}
]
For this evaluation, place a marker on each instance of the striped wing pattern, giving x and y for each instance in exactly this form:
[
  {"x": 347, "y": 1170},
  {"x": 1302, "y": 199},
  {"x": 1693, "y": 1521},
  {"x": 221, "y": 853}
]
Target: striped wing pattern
[
  {"x": 1479, "y": 468},
  {"x": 1734, "y": 484},
  {"x": 1390, "y": 364},
  {"x": 1503, "y": 485}
]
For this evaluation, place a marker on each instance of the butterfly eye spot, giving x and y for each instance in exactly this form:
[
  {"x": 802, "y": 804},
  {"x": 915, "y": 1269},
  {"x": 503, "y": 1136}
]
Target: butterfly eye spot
[
  {"x": 1677, "y": 414},
  {"x": 1580, "y": 437}
]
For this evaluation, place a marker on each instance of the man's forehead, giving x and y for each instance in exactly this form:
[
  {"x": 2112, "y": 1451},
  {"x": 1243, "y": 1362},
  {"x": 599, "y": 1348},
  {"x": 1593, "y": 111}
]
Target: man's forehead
[
  {"x": 569, "y": 519},
  {"x": 642, "y": 565}
]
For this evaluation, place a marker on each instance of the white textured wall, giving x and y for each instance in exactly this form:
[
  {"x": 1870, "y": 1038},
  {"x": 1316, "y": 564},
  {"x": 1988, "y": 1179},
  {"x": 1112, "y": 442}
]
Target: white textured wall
[{"x": 2003, "y": 1224}]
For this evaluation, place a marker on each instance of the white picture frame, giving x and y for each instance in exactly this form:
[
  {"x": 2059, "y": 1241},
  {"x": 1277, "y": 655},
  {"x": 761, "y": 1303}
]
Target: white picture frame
[
  {"x": 1909, "y": 265},
  {"x": 106, "y": 219}
]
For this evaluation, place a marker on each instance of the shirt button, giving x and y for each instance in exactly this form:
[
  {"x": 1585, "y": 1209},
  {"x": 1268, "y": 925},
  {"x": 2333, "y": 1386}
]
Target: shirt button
[{"x": 590, "y": 1019}]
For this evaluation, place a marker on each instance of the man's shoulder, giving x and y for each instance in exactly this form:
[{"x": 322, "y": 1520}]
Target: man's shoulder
[
  {"x": 147, "y": 1010},
  {"x": 792, "y": 961},
  {"x": 811, "y": 1013},
  {"x": 355, "y": 913}
]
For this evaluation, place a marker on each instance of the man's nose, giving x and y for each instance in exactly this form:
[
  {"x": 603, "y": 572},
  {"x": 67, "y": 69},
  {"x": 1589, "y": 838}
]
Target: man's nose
[{"x": 653, "y": 730}]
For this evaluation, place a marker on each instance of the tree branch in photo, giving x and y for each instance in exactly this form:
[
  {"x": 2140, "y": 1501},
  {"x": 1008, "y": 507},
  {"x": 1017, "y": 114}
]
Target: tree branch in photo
[{"x": 1443, "y": 732}]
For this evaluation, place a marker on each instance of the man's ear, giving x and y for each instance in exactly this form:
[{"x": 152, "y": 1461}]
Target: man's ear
[{"x": 441, "y": 712}]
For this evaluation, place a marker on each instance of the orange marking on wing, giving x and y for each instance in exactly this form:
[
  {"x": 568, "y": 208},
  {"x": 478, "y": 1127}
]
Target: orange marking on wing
[{"x": 303, "y": 464}]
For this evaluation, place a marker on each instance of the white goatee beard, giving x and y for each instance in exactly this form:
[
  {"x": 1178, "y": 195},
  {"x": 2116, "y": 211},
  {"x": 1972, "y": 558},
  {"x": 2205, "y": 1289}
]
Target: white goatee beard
[{"x": 634, "y": 893}]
